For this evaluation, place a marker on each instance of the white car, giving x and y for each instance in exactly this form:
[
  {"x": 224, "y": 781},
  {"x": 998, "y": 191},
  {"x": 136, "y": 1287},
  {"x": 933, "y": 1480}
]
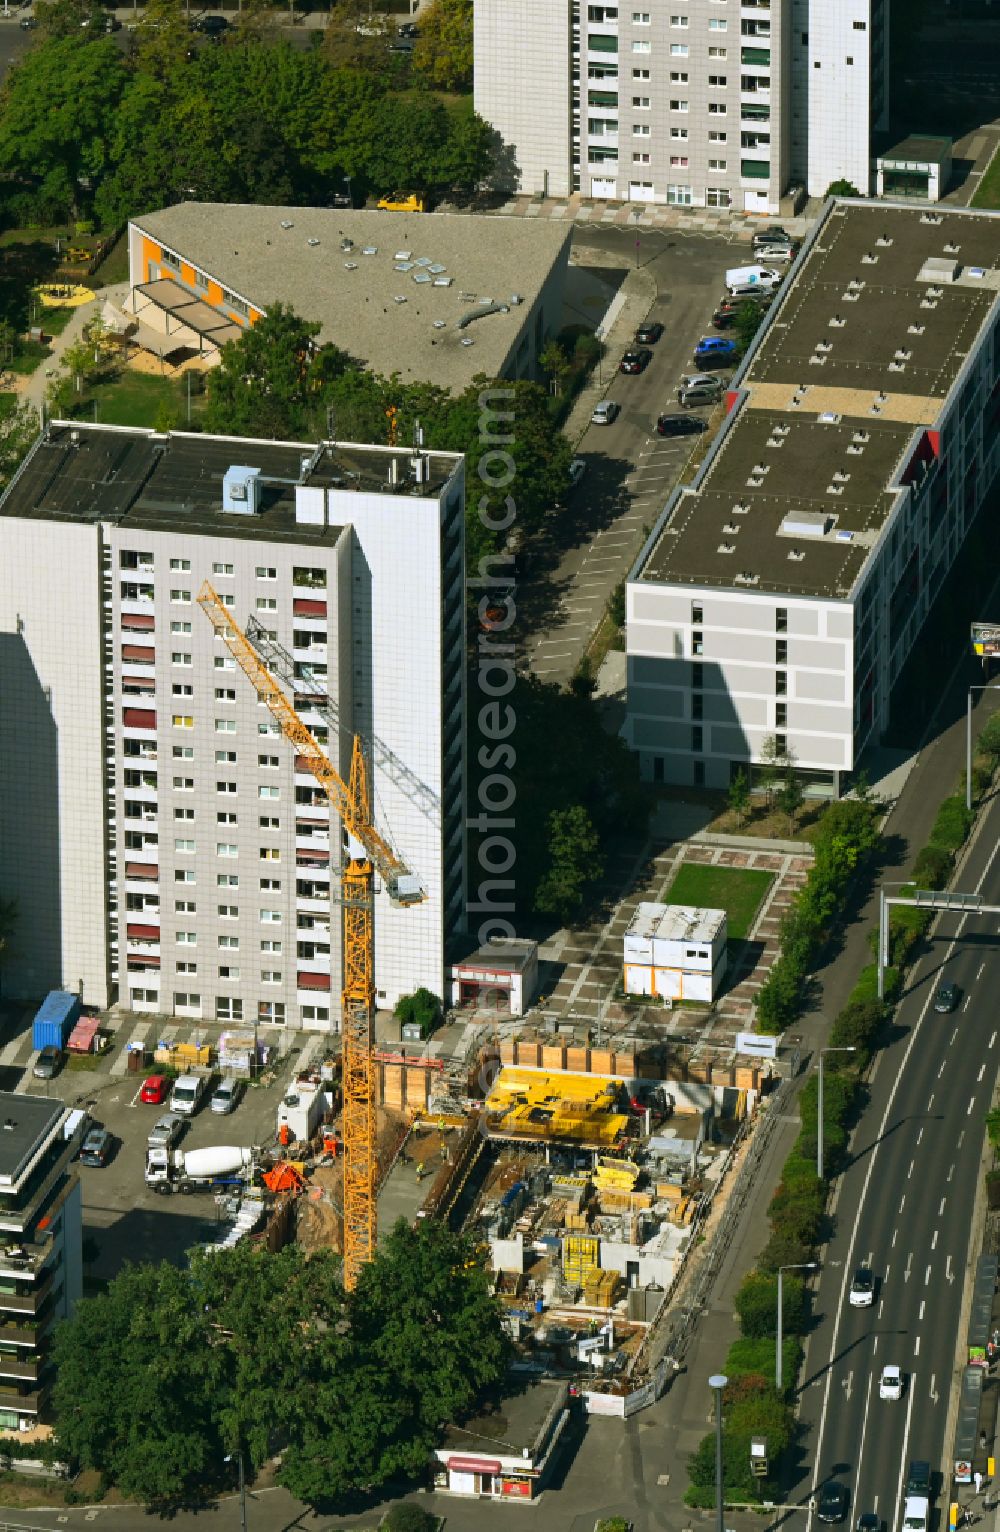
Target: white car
[
  {"x": 577, "y": 469},
  {"x": 890, "y": 1384},
  {"x": 605, "y": 413},
  {"x": 862, "y": 1293}
]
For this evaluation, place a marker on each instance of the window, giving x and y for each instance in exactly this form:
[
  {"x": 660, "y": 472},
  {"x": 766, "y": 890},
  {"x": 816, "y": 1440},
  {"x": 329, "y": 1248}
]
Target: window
[
  {"x": 269, "y": 762},
  {"x": 184, "y": 847},
  {"x": 226, "y": 817},
  {"x": 678, "y": 133},
  {"x": 272, "y": 728},
  {"x": 697, "y": 705},
  {"x": 781, "y": 744},
  {"x": 266, "y": 604},
  {"x": 270, "y": 945},
  {"x": 270, "y": 917},
  {"x": 640, "y": 74},
  {"x": 697, "y": 674},
  {"x": 678, "y": 77},
  {"x": 228, "y": 971},
  {"x": 697, "y": 737},
  {"x": 678, "y": 162},
  {"x": 225, "y": 848},
  {"x": 781, "y": 714},
  {"x": 848, "y": 60},
  {"x": 264, "y": 572},
  {"x": 184, "y": 784},
  {"x": 312, "y": 1012},
  {"x": 781, "y": 651},
  {"x": 678, "y": 50},
  {"x": 781, "y": 619},
  {"x": 182, "y": 689},
  {"x": 718, "y": 24},
  {"x": 715, "y": 52},
  {"x": 269, "y": 822},
  {"x": 697, "y": 641},
  {"x": 185, "y": 965},
  {"x": 225, "y": 726},
  {"x": 678, "y": 21},
  {"x": 270, "y": 854},
  {"x": 225, "y": 694},
  {"x": 182, "y": 721},
  {"x": 640, "y": 18},
  {"x": 223, "y": 662},
  {"x": 225, "y": 787},
  {"x": 641, "y": 103},
  {"x": 717, "y": 109},
  {"x": 186, "y": 939},
  {"x": 859, "y": 26},
  {"x": 716, "y": 82},
  {"x": 186, "y": 1000},
  {"x": 641, "y": 130},
  {"x": 679, "y": 196},
  {"x": 182, "y": 597},
  {"x": 637, "y": 46},
  {"x": 222, "y": 569},
  {"x": 182, "y": 564},
  {"x": 717, "y": 164},
  {"x": 698, "y": 773},
  {"x": 271, "y": 1011},
  {"x": 228, "y": 1008},
  {"x": 598, "y": 126},
  {"x": 183, "y": 813},
  {"x": 781, "y": 683},
  {"x": 184, "y": 907},
  {"x": 227, "y": 880},
  {"x": 270, "y": 976},
  {"x": 270, "y": 884},
  {"x": 225, "y": 757},
  {"x": 608, "y": 98},
  {"x": 142, "y": 997},
  {"x": 717, "y": 135},
  {"x": 269, "y": 792},
  {"x": 697, "y": 613},
  {"x": 183, "y": 875},
  {"x": 180, "y": 627},
  {"x": 678, "y": 106},
  {"x": 641, "y": 157},
  {"x": 229, "y": 942},
  {"x": 178, "y": 657}
]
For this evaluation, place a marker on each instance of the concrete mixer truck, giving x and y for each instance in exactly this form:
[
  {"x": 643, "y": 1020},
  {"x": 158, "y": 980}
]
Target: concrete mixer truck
[{"x": 199, "y": 1170}]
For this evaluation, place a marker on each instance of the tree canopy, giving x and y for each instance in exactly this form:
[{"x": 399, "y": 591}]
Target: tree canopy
[{"x": 443, "y": 53}]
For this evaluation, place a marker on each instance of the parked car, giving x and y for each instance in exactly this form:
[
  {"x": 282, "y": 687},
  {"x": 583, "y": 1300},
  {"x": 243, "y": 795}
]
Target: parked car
[
  {"x": 401, "y": 45},
  {"x": 605, "y": 413},
  {"x": 211, "y": 26},
  {"x": 636, "y": 361},
  {"x": 155, "y": 1090},
  {"x": 862, "y": 1293},
  {"x": 649, "y": 333},
  {"x": 166, "y": 1130},
  {"x": 724, "y": 319},
  {"x": 679, "y": 425},
  {"x": 782, "y": 252},
  {"x": 699, "y": 388},
  {"x": 187, "y": 1093},
  {"x": 890, "y": 1384},
  {"x": 48, "y": 1063},
  {"x": 715, "y": 351},
  {"x": 869, "y": 1521},
  {"x": 832, "y": 1505},
  {"x": 96, "y": 1148},
  {"x": 577, "y": 469},
  {"x": 28, "y": 23},
  {"x": 227, "y": 1095},
  {"x": 773, "y": 234},
  {"x": 408, "y": 29},
  {"x": 947, "y": 998},
  {"x": 918, "y": 1477}
]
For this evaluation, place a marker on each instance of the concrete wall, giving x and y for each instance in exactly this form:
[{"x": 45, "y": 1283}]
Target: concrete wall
[{"x": 522, "y": 52}]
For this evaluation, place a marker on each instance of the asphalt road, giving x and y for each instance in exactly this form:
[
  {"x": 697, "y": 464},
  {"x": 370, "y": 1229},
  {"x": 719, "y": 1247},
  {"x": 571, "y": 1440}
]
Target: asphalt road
[
  {"x": 590, "y": 545},
  {"x": 904, "y": 1205}
]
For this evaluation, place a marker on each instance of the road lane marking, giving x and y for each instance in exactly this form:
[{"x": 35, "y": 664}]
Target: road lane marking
[
  {"x": 955, "y": 1033},
  {"x": 972, "y": 1102},
  {"x": 902, "y": 1202},
  {"x": 894, "y": 1233},
  {"x": 930, "y": 1103},
  {"x": 960, "y": 1138},
  {"x": 951, "y": 1172},
  {"x": 948, "y": 1271},
  {"x": 965, "y": 1005},
  {"x": 982, "y": 1071},
  {"x": 993, "y": 1038},
  {"x": 864, "y": 1428},
  {"x": 941, "y": 1070},
  {"x": 933, "y": 1390},
  {"x": 982, "y": 970},
  {"x": 916, "y": 1346},
  {"x": 923, "y": 1305},
  {"x": 934, "y": 1240},
  {"x": 909, "y": 1263},
  {"x": 927, "y": 1277},
  {"x": 944, "y": 1199},
  {"x": 906, "y": 1437},
  {"x": 920, "y": 1135},
  {"x": 910, "y": 1171}
]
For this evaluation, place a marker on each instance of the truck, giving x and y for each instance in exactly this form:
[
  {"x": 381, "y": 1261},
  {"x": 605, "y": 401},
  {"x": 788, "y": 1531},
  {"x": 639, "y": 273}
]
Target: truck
[
  {"x": 54, "y": 1019},
  {"x": 199, "y": 1170}
]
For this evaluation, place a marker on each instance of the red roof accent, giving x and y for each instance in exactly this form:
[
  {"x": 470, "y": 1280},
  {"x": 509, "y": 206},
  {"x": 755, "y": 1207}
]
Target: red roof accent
[
  {"x": 138, "y": 652},
  {"x": 314, "y": 981},
  {"x": 138, "y": 622},
  {"x": 143, "y": 933},
  {"x": 137, "y": 963},
  {"x": 305, "y": 858},
  {"x": 139, "y": 718},
  {"x": 142, "y": 870},
  {"x": 303, "y": 607},
  {"x": 475, "y": 1465}
]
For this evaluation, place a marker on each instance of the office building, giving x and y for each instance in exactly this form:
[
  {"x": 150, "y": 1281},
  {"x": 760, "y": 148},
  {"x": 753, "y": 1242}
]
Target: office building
[
  {"x": 41, "y": 1263},
  {"x": 164, "y": 846},
  {"x": 439, "y": 298},
  {"x": 780, "y": 594},
  {"x": 694, "y": 103}
]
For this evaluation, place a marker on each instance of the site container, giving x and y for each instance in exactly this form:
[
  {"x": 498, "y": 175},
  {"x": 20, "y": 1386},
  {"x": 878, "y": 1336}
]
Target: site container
[{"x": 54, "y": 1019}]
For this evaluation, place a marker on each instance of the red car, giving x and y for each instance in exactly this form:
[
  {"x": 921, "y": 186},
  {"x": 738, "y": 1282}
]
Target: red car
[{"x": 155, "y": 1090}]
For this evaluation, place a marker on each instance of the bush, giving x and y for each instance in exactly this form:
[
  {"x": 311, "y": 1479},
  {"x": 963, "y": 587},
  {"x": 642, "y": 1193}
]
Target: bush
[
  {"x": 953, "y": 823},
  {"x": 932, "y": 868},
  {"x": 858, "y": 1026},
  {"x": 421, "y": 1007},
  {"x": 409, "y": 1518},
  {"x": 757, "y": 1305}
]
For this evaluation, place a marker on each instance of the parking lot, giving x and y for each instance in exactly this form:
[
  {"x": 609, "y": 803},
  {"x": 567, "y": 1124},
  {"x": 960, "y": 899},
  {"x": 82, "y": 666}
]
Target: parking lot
[{"x": 125, "y": 1219}]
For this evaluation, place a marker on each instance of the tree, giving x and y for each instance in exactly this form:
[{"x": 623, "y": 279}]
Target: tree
[
  {"x": 422, "y": 1007},
  {"x": 790, "y": 797},
  {"x": 263, "y": 383},
  {"x": 574, "y": 863},
  {"x": 989, "y": 739},
  {"x": 8, "y": 925},
  {"x": 17, "y": 432},
  {"x": 554, "y": 363},
  {"x": 749, "y": 318},
  {"x": 738, "y": 797},
  {"x": 443, "y": 51},
  {"x": 842, "y": 188},
  {"x": 757, "y": 1304},
  {"x": 774, "y": 760}
]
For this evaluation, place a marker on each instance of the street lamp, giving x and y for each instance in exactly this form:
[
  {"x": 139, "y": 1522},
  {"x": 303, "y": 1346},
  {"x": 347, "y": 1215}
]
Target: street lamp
[
  {"x": 347, "y": 183},
  {"x": 792, "y": 1266},
  {"x": 819, "y": 1106},
  {"x": 994, "y": 686},
  {"x": 718, "y": 1381},
  {"x": 243, "y": 1488}
]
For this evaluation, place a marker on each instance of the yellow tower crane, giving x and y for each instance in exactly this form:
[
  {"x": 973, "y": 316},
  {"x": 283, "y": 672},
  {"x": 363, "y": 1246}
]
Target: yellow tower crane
[{"x": 352, "y": 802}]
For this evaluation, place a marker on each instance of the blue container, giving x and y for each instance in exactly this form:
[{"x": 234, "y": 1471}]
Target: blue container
[{"x": 55, "y": 1019}]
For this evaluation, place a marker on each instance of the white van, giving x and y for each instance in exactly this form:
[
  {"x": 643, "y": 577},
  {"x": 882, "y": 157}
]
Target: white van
[
  {"x": 186, "y": 1095},
  {"x": 750, "y": 279},
  {"x": 915, "y": 1513}
]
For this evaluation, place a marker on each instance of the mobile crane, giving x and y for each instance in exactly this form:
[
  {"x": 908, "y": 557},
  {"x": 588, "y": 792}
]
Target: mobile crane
[{"x": 351, "y": 801}]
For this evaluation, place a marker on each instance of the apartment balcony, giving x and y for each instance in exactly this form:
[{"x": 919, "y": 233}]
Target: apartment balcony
[
  {"x": 312, "y": 842},
  {"x": 312, "y": 654},
  {"x": 149, "y": 854},
  {"x": 26, "y": 1403},
  {"x": 138, "y": 720},
  {"x": 26, "y": 1303},
  {"x": 22, "y": 1260},
  {"x": 140, "y": 881},
  {"x": 310, "y": 984},
  {"x": 319, "y": 964},
  {"x": 13, "y": 1334},
  {"x": 141, "y": 946},
  {"x": 312, "y": 906},
  {"x": 147, "y": 793},
  {"x": 137, "y": 605},
  {"x": 23, "y": 1372}
]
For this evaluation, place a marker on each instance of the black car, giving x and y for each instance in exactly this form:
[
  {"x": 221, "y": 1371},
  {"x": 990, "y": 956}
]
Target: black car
[
  {"x": 918, "y": 1478},
  {"x": 724, "y": 319},
  {"x": 649, "y": 333},
  {"x": 869, "y": 1521},
  {"x": 947, "y": 998},
  {"x": 636, "y": 361},
  {"x": 773, "y": 235},
  {"x": 679, "y": 425},
  {"x": 27, "y": 23},
  {"x": 211, "y": 26},
  {"x": 96, "y": 1148},
  {"x": 832, "y": 1503},
  {"x": 408, "y": 29}
]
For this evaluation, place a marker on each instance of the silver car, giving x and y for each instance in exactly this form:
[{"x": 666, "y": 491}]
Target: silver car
[
  {"x": 699, "y": 388},
  {"x": 226, "y": 1096},
  {"x": 166, "y": 1130},
  {"x": 605, "y": 413}
]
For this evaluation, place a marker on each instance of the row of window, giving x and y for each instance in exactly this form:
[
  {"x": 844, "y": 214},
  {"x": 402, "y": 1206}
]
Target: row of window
[
  {"x": 230, "y": 1008},
  {"x": 143, "y": 561},
  {"x": 304, "y": 889}
]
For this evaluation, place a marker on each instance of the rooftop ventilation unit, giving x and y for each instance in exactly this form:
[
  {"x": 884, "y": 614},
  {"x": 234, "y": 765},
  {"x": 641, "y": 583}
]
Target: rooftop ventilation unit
[
  {"x": 796, "y": 555},
  {"x": 740, "y": 508},
  {"x": 860, "y": 437},
  {"x": 369, "y": 250},
  {"x": 817, "y": 360},
  {"x": 346, "y": 244},
  {"x": 241, "y": 490},
  {"x": 840, "y": 477},
  {"x": 828, "y": 418},
  {"x": 286, "y": 223},
  {"x": 844, "y": 536},
  {"x": 402, "y": 255},
  {"x": 350, "y": 265},
  {"x": 805, "y": 524},
  {"x": 836, "y": 322},
  {"x": 938, "y": 268},
  {"x": 884, "y": 241},
  {"x": 727, "y": 548},
  {"x": 868, "y": 259},
  {"x": 745, "y": 577},
  {"x": 516, "y": 299},
  {"x": 731, "y": 527},
  {"x": 930, "y": 218},
  {"x": 915, "y": 329},
  {"x": 312, "y": 240},
  {"x": 951, "y": 249}
]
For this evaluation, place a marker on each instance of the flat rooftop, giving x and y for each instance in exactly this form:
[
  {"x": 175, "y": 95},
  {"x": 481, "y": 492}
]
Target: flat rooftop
[
  {"x": 849, "y": 373},
  {"x": 675, "y": 922},
  {"x": 173, "y": 482},
  {"x": 393, "y": 298},
  {"x": 510, "y": 1429},
  {"x": 25, "y": 1122}
]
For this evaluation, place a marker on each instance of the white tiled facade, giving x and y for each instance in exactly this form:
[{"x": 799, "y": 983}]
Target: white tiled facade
[
  {"x": 718, "y": 103},
  {"x": 186, "y": 866}
]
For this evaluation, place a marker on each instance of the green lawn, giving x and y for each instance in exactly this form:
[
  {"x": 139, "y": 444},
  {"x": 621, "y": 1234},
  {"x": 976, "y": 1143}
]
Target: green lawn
[
  {"x": 739, "y": 891},
  {"x": 135, "y": 398},
  {"x": 29, "y": 355},
  {"x": 988, "y": 190},
  {"x": 54, "y": 321}
]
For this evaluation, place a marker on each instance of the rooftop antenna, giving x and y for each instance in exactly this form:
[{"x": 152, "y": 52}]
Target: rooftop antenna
[
  {"x": 418, "y": 436},
  {"x": 331, "y": 416}
]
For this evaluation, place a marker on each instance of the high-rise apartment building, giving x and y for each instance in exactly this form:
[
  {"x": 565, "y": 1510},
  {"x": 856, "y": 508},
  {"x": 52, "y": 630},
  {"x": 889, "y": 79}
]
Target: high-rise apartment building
[
  {"x": 695, "y": 103},
  {"x": 41, "y": 1234},
  {"x": 164, "y": 845}
]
